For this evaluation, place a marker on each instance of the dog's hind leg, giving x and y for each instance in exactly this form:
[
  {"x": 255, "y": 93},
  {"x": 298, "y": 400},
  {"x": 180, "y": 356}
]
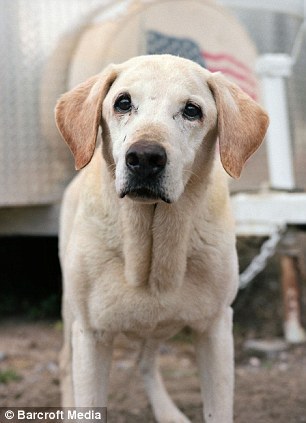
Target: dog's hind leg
[{"x": 164, "y": 409}]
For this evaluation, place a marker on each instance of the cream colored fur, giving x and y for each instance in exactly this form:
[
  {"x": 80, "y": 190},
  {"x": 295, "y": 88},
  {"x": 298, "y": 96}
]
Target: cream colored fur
[{"x": 148, "y": 268}]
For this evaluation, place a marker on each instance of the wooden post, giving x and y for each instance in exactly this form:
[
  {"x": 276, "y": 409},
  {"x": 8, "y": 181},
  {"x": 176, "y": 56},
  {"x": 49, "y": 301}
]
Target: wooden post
[{"x": 294, "y": 332}]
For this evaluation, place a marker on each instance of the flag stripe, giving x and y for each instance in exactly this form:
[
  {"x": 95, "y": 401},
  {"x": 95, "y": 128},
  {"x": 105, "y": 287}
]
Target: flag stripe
[
  {"x": 250, "y": 90},
  {"x": 248, "y": 78},
  {"x": 226, "y": 57},
  {"x": 231, "y": 72},
  {"x": 230, "y": 66}
]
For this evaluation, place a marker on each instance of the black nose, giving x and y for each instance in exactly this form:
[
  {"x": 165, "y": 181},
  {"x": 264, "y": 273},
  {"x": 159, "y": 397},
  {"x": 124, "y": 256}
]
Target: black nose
[{"x": 146, "y": 159}]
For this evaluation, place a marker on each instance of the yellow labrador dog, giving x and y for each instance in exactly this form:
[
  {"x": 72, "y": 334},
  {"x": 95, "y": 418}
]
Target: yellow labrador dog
[{"x": 147, "y": 239}]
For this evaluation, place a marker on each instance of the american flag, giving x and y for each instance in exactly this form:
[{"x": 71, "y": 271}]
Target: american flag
[{"x": 238, "y": 72}]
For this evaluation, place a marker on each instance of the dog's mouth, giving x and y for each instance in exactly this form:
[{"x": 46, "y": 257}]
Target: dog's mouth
[{"x": 144, "y": 194}]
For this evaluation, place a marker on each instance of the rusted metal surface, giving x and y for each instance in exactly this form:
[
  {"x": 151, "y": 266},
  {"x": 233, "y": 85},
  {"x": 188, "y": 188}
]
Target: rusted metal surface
[{"x": 294, "y": 332}]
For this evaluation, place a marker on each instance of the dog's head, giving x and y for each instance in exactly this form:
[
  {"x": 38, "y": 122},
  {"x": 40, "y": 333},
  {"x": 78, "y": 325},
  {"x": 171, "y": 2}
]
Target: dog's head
[{"x": 157, "y": 113}]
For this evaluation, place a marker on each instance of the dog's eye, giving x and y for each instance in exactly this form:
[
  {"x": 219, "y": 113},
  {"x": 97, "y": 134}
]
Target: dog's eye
[
  {"x": 123, "y": 103},
  {"x": 192, "y": 112}
]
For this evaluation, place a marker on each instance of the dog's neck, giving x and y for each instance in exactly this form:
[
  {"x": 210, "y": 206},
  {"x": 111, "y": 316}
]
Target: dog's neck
[
  {"x": 155, "y": 239},
  {"x": 156, "y": 236}
]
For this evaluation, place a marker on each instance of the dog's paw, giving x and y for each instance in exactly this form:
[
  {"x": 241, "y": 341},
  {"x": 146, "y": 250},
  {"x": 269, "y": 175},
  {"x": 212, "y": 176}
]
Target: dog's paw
[{"x": 176, "y": 416}]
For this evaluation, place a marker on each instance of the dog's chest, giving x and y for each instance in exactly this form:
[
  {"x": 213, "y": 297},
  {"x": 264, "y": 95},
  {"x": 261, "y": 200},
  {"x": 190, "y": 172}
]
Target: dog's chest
[
  {"x": 115, "y": 306},
  {"x": 147, "y": 304}
]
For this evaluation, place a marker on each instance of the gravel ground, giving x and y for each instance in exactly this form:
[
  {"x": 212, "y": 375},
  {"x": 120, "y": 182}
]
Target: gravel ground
[{"x": 270, "y": 387}]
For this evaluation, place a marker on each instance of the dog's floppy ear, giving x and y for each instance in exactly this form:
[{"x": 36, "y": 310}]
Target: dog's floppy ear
[
  {"x": 242, "y": 123},
  {"x": 78, "y": 115}
]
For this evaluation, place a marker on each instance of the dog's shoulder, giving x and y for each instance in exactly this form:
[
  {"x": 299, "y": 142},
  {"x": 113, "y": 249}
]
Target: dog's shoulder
[
  {"x": 87, "y": 187},
  {"x": 88, "y": 199},
  {"x": 215, "y": 205},
  {"x": 89, "y": 214}
]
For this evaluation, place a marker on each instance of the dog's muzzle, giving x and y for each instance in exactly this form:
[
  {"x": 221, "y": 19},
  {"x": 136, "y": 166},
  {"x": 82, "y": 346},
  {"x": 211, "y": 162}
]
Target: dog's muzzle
[{"x": 146, "y": 162}]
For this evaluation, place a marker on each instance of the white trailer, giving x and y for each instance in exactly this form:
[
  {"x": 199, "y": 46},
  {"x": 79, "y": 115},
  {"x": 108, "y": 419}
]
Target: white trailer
[{"x": 46, "y": 49}]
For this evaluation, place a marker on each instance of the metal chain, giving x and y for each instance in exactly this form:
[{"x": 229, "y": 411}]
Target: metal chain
[{"x": 259, "y": 262}]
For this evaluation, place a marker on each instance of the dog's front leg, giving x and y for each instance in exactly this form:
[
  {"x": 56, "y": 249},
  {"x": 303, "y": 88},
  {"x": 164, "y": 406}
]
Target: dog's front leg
[
  {"x": 215, "y": 357},
  {"x": 91, "y": 362}
]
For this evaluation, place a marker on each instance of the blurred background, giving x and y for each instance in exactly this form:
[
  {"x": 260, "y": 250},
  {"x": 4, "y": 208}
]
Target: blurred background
[{"x": 46, "y": 48}]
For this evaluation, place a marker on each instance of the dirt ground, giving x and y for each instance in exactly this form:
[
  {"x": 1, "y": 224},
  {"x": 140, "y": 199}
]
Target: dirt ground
[{"x": 269, "y": 387}]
